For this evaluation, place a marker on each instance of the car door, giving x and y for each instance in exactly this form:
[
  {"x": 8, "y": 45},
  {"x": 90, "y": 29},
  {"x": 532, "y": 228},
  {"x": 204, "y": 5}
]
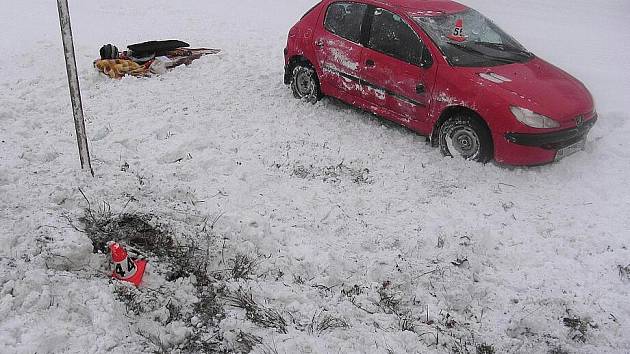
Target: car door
[
  {"x": 338, "y": 49},
  {"x": 397, "y": 67}
]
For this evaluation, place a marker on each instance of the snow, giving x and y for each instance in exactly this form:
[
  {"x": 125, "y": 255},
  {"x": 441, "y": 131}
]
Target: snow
[
  {"x": 494, "y": 77},
  {"x": 336, "y": 204},
  {"x": 341, "y": 58}
]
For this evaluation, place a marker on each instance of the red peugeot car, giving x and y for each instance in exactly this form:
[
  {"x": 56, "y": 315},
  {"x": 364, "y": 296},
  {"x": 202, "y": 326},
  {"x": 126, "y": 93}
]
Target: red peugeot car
[{"x": 443, "y": 70}]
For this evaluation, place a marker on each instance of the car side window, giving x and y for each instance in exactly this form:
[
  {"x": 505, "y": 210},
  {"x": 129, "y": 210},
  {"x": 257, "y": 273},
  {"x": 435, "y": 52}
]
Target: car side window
[
  {"x": 345, "y": 19},
  {"x": 393, "y": 36}
]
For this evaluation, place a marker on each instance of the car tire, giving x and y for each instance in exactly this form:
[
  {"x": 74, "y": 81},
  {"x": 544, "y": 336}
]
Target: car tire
[
  {"x": 465, "y": 137},
  {"x": 305, "y": 84}
]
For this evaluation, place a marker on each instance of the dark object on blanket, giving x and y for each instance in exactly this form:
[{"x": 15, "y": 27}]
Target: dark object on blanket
[
  {"x": 157, "y": 48},
  {"x": 109, "y": 51}
]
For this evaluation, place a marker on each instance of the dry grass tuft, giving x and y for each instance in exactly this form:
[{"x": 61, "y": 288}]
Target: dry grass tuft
[
  {"x": 333, "y": 173},
  {"x": 485, "y": 349},
  {"x": 578, "y": 327},
  {"x": 557, "y": 350},
  {"x": 323, "y": 321},
  {"x": 389, "y": 300},
  {"x": 242, "y": 266},
  {"x": 258, "y": 314},
  {"x": 624, "y": 272}
]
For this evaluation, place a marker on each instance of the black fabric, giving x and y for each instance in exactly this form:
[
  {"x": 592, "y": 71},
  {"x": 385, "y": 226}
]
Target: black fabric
[
  {"x": 109, "y": 51},
  {"x": 155, "y": 47}
]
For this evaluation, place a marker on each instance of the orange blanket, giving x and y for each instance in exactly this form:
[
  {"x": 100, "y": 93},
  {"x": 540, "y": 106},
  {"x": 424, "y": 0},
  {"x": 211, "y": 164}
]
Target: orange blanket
[{"x": 117, "y": 68}]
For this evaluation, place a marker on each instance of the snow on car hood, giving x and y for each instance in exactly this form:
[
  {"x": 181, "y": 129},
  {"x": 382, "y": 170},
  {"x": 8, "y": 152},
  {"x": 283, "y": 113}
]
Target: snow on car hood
[{"x": 538, "y": 86}]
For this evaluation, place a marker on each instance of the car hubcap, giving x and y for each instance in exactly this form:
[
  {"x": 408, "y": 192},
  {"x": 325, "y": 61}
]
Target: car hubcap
[
  {"x": 463, "y": 140},
  {"x": 304, "y": 83}
]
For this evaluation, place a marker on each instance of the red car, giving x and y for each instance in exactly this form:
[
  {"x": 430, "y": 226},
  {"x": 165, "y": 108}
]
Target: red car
[{"x": 443, "y": 70}]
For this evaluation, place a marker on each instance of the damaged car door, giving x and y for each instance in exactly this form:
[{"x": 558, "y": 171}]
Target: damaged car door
[
  {"x": 397, "y": 68},
  {"x": 338, "y": 49}
]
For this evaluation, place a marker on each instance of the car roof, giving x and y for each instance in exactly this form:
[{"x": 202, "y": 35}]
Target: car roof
[{"x": 428, "y": 7}]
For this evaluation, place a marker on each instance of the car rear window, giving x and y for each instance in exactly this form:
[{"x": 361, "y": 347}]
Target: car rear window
[{"x": 345, "y": 19}]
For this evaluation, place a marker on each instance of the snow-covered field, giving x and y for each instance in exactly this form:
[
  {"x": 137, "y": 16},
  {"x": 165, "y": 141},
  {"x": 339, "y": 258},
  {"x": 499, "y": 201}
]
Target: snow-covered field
[{"x": 365, "y": 239}]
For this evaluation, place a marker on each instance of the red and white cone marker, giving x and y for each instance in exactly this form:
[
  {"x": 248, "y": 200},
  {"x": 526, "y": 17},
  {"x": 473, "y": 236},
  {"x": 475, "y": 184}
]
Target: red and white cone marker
[
  {"x": 458, "y": 31},
  {"x": 125, "y": 268}
]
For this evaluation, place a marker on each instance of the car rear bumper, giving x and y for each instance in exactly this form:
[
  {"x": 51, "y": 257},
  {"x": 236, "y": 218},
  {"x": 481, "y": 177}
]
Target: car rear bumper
[{"x": 555, "y": 140}]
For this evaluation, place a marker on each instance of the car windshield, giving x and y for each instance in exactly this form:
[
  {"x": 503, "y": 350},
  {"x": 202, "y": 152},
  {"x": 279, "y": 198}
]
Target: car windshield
[{"x": 469, "y": 39}]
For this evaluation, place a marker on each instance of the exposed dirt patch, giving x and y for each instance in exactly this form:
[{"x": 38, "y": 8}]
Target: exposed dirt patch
[
  {"x": 183, "y": 262},
  {"x": 333, "y": 173}
]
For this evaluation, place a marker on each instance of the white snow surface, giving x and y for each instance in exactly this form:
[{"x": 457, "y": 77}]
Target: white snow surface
[{"x": 224, "y": 136}]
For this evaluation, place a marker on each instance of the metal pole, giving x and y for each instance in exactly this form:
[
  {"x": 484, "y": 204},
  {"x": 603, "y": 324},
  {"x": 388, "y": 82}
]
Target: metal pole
[{"x": 73, "y": 83}]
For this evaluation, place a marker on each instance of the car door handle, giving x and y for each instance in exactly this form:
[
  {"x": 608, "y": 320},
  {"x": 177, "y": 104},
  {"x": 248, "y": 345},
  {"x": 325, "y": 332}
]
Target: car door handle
[
  {"x": 420, "y": 89},
  {"x": 370, "y": 63}
]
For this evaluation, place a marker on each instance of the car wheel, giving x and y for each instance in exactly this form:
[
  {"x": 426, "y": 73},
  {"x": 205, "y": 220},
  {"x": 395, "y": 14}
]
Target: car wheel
[
  {"x": 465, "y": 137},
  {"x": 305, "y": 84}
]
